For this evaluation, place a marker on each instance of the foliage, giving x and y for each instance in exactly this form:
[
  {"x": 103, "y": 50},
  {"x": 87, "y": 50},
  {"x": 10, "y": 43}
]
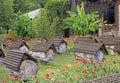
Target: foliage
[
  {"x": 43, "y": 26},
  {"x": 24, "y": 6},
  {"x": 42, "y": 2},
  {"x": 21, "y": 25},
  {"x": 6, "y": 14},
  {"x": 57, "y": 8},
  {"x": 81, "y": 22}
]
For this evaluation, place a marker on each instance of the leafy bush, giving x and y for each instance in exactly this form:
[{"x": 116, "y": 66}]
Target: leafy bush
[{"x": 81, "y": 22}]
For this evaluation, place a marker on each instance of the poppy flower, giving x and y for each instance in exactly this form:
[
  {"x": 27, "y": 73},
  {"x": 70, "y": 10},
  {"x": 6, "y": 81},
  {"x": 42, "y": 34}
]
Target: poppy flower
[
  {"x": 100, "y": 64},
  {"x": 47, "y": 76},
  {"x": 8, "y": 78},
  {"x": 85, "y": 71},
  {"x": 78, "y": 76},
  {"x": 3, "y": 81}
]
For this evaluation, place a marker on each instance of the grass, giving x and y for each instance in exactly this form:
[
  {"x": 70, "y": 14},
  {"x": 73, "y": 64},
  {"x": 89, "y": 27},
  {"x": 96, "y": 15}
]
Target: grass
[
  {"x": 63, "y": 60},
  {"x": 60, "y": 61}
]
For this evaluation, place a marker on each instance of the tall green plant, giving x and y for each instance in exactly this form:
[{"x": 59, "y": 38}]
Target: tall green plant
[
  {"x": 43, "y": 26},
  {"x": 21, "y": 25},
  {"x": 81, "y": 22},
  {"x": 6, "y": 14}
]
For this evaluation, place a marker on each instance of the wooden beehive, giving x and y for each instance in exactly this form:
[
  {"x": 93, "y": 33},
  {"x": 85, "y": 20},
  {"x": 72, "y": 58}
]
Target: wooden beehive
[
  {"x": 16, "y": 45},
  {"x": 110, "y": 42},
  {"x": 117, "y": 47},
  {"x": 88, "y": 51},
  {"x": 14, "y": 59},
  {"x": 60, "y": 44},
  {"x": 86, "y": 39},
  {"x": 45, "y": 52},
  {"x": 18, "y": 62}
]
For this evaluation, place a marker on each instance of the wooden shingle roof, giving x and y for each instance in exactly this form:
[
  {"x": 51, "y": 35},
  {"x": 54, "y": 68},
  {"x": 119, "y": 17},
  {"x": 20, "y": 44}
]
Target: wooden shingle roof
[
  {"x": 14, "y": 59},
  {"x": 86, "y": 39},
  {"x": 16, "y": 45},
  {"x": 90, "y": 48},
  {"x": 43, "y": 47},
  {"x": 108, "y": 40},
  {"x": 57, "y": 40}
]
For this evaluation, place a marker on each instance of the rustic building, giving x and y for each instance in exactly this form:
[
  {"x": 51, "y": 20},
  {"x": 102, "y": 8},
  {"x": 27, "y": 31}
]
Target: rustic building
[
  {"x": 18, "y": 63},
  {"x": 90, "y": 51},
  {"x": 44, "y": 52},
  {"x": 21, "y": 46},
  {"x": 60, "y": 44}
]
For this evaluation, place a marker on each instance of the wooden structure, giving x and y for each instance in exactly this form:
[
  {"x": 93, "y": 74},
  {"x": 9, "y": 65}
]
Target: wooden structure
[
  {"x": 86, "y": 39},
  {"x": 44, "y": 52},
  {"x": 109, "y": 42},
  {"x": 117, "y": 47},
  {"x": 22, "y": 46},
  {"x": 17, "y": 61},
  {"x": 88, "y": 51},
  {"x": 117, "y": 16},
  {"x": 114, "y": 78},
  {"x": 60, "y": 44},
  {"x": 2, "y": 55}
]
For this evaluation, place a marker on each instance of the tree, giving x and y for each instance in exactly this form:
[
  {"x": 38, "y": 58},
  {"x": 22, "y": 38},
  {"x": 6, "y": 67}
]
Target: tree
[
  {"x": 57, "y": 8},
  {"x": 21, "y": 25},
  {"x": 6, "y": 14},
  {"x": 81, "y": 22},
  {"x": 42, "y": 2},
  {"x": 24, "y": 6},
  {"x": 43, "y": 27}
]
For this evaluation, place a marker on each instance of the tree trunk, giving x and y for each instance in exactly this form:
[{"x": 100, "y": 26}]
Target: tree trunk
[
  {"x": 73, "y": 5},
  {"x": 7, "y": 29}
]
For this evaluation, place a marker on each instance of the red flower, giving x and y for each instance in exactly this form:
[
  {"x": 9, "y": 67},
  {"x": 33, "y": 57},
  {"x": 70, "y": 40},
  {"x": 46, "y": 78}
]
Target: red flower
[
  {"x": 19, "y": 79},
  {"x": 104, "y": 59},
  {"x": 92, "y": 72},
  {"x": 7, "y": 78},
  {"x": 91, "y": 60},
  {"x": 47, "y": 76},
  {"x": 85, "y": 71},
  {"x": 78, "y": 76},
  {"x": 64, "y": 68},
  {"x": 3, "y": 81},
  {"x": 52, "y": 72},
  {"x": 100, "y": 64},
  {"x": 79, "y": 61}
]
